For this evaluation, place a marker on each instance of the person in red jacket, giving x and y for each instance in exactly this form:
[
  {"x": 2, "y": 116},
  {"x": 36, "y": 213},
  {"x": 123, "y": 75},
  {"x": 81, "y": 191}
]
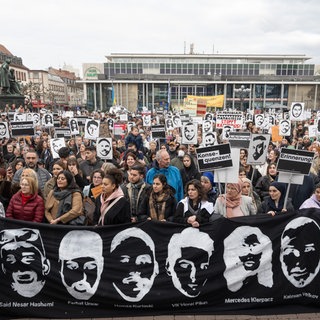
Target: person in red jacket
[{"x": 26, "y": 204}]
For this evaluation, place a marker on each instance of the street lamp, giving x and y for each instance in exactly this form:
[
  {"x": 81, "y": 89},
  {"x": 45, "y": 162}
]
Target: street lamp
[{"x": 242, "y": 93}]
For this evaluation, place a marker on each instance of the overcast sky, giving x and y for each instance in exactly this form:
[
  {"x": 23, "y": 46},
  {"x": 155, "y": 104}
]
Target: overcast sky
[{"x": 53, "y": 33}]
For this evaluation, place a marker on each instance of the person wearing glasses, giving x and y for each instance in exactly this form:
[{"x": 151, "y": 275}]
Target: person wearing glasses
[{"x": 26, "y": 204}]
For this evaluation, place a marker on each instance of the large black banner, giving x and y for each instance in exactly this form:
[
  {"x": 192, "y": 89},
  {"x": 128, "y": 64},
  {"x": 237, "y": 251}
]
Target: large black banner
[{"x": 155, "y": 268}]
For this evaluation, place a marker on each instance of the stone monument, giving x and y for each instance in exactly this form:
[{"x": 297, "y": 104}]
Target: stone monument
[{"x": 9, "y": 88}]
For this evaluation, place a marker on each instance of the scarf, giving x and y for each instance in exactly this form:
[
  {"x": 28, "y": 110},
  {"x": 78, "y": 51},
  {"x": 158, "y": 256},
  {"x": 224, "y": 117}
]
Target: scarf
[
  {"x": 194, "y": 210},
  {"x": 25, "y": 198},
  {"x": 65, "y": 200},
  {"x": 232, "y": 203},
  {"x": 271, "y": 203},
  {"x": 105, "y": 202},
  {"x": 157, "y": 204}
]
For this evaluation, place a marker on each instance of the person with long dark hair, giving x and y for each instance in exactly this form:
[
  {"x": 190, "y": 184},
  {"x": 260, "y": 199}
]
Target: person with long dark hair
[
  {"x": 64, "y": 202},
  {"x": 194, "y": 209},
  {"x": 263, "y": 183},
  {"x": 160, "y": 203},
  {"x": 189, "y": 171}
]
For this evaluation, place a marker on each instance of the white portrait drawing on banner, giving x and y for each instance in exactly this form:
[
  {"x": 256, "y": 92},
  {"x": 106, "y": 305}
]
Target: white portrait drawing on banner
[
  {"x": 91, "y": 130},
  {"x": 81, "y": 264},
  {"x": 169, "y": 124},
  {"x": 189, "y": 254},
  {"x": 146, "y": 120},
  {"x": 47, "y": 120},
  {"x": 300, "y": 251},
  {"x": 74, "y": 127},
  {"x": 247, "y": 255},
  {"x": 176, "y": 121},
  {"x": 4, "y": 131},
  {"x": 297, "y": 111},
  {"x": 285, "y": 128},
  {"x": 189, "y": 133},
  {"x": 209, "y": 139},
  {"x": 258, "y": 148},
  {"x": 207, "y": 126},
  {"x": 104, "y": 148},
  {"x": 138, "y": 269},
  {"x": 23, "y": 260},
  {"x": 56, "y": 144}
]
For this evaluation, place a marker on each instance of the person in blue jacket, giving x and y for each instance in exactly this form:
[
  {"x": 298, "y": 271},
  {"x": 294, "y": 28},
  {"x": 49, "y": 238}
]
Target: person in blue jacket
[{"x": 162, "y": 165}]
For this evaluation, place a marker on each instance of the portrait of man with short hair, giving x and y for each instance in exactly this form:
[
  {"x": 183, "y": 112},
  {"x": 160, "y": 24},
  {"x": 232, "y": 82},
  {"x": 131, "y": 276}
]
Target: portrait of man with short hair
[
  {"x": 300, "y": 251},
  {"x": 4, "y": 133},
  {"x": 189, "y": 133},
  {"x": 23, "y": 260},
  {"x": 81, "y": 263},
  {"x": 104, "y": 148},
  {"x": 297, "y": 110},
  {"x": 285, "y": 128},
  {"x": 209, "y": 139},
  {"x": 135, "y": 271},
  {"x": 207, "y": 126},
  {"x": 188, "y": 261},
  {"x": 259, "y": 120}
]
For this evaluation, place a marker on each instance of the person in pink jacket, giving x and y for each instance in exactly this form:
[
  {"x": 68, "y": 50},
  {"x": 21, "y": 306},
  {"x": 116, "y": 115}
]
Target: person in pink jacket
[{"x": 26, "y": 204}]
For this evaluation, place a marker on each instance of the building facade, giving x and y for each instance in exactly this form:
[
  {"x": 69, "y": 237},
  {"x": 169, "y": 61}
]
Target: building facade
[{"x": 162, "y": 81}]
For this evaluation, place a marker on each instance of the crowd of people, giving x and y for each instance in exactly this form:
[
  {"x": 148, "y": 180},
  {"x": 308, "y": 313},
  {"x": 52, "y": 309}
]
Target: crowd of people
[{"x": 146, "y": 179}]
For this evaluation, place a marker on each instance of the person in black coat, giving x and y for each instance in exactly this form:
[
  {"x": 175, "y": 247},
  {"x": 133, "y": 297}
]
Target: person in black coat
[
  {"x": 189, "y": 171},
  {"x": 274, "y": 204},
  {"x": 111, "y": 205},
  {"x": 160, "y": 204}
]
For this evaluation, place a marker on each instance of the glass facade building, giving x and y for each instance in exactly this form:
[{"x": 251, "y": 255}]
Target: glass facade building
[{"x": 160, "y": 81}]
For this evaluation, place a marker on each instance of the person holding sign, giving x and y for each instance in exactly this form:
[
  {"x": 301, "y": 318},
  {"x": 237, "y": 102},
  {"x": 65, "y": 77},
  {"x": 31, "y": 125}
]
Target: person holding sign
[
  {"x": 233, "y": 204},
  {"x": 275, "y": 203}
]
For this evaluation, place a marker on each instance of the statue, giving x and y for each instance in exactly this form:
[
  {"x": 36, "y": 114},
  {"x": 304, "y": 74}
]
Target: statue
[
  {"x": 4, "y": 77},
  {"x": 14, "y": 85}
]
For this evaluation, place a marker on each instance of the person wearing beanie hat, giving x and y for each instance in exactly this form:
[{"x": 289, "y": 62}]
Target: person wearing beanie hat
[
  {"x": 207, "y": 181},
  {"x": 233, "y": 204},
  {"x": 275, "y": 202}
]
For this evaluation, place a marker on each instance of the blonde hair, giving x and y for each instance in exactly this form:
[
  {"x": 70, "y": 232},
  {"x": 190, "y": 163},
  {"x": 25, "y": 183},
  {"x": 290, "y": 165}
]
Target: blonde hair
[
  {"x": 30, "y": 173},
  {"x": 32, "y": 183}
]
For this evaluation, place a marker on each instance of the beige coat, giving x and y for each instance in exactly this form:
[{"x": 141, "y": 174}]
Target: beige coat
[
  {"x": 52, "y": 205},
  {"x": 246, "y": 206}
]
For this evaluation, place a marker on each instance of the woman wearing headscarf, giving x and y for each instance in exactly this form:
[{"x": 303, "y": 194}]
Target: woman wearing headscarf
[
  {"x": 207, "y": 181},
  {"x": 64, "y": 202},
  {"x": 247, "y": 190},
  {"x": 233, "y": 204},
  {"x": 275, "y": 202},
  {"x": 194, "y": 209}
]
